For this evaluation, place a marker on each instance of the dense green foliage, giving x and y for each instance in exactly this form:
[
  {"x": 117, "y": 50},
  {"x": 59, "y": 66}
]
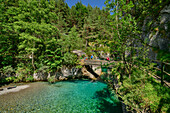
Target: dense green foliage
[
  {"x": 139, "y": 91},
  {"x": 39, "y": 35}
]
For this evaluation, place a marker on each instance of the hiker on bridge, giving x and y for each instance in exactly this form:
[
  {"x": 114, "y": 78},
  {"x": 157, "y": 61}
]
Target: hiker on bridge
[
  {"x": 91, "y": 57},
  {"x": 108, "y": 59},
  {"x": 86, "y": 58}
]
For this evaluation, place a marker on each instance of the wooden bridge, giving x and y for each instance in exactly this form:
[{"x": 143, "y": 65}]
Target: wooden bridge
[
  {"x": 92, "y": 65},
  {"x": 97, "y": 62},
  {"x": 95, "y": 66}
]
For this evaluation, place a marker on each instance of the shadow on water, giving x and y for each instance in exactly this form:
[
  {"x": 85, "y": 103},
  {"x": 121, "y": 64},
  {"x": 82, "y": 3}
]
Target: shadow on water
[{"x": 107, "y": 103}]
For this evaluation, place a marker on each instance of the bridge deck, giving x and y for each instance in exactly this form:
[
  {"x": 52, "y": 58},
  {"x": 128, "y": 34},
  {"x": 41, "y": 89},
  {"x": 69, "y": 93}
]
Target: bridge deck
[{"x": 97, "y": 62}]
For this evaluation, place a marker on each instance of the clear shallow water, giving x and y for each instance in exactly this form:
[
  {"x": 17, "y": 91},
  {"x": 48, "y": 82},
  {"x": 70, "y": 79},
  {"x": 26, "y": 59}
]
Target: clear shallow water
[{"x": 80, "y": 96}]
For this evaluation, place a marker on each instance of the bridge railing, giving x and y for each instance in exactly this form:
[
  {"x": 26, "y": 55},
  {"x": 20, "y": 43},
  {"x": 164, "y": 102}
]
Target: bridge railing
[
  {"x": 161, "y": 68},
  {"x": 163, "y": 64}
]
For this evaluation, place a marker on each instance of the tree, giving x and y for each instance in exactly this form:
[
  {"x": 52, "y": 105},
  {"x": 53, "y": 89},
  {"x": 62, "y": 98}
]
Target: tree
[
  {"x": 67, "y": 47},
  {"x": 8, "y": 37},
  {"x": 137, "y": 88}
]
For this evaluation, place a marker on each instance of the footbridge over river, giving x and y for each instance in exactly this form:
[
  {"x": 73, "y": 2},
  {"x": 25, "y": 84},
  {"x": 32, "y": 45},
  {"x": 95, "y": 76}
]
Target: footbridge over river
[
  {"x": 97, "y": 62},
  {"x": 93, "y": 67},
  {"x": 96, "y": 67}
]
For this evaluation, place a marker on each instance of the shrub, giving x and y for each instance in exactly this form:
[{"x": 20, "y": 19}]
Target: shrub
[
  {"x": 143, "y": 93},
  {"x": 7, "y": 80},
  {"x": 8, "y": 70},
  {"x": 10, "y": 79},
  {"x": 3, "y": 80},
  {"x": 51, "y": 79},
  {"x": 24, "y": 73},
  {"x": 70, "y": 59},
  {"x": 16, "y": 80},
  {"x": 42, "y": 68},
  {"x": 29, "y": 79}
]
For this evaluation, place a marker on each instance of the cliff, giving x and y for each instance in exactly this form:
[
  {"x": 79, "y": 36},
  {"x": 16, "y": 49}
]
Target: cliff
[{"x": 156, "y": 33}]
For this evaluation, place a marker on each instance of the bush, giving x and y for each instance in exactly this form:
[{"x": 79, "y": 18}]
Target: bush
[
  {"x": 10, "y": 79},
  {"x": 42, "y": 68},
  {"x": 3, "y": 80},
  {"x": 16, "y": 80},
  {"x": 8, "y": 70},
  {"x": 143, "y": 93},
  {"x": 51, "y": 79},
  {"x": 24, "y": 73},
  {"x": 70, "y": 59},
  {"x": 29, "y": 79},
  {"x": 19, "y": 78},
  {"x": 7, "y": 80}
]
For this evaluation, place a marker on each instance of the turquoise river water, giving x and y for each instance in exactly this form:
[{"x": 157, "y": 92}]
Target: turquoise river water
[{"x": 79, "y": 96}]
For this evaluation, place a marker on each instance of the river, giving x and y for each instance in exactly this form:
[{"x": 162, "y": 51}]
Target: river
[{"x": 78, "y": 96}]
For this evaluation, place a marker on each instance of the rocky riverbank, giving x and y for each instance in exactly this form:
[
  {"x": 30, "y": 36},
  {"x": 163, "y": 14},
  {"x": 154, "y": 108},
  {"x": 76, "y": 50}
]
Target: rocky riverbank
[{"x": 9, "y": 89}]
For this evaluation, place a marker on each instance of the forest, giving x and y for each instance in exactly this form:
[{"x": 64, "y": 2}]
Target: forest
[{"x": 40, "y": 35}]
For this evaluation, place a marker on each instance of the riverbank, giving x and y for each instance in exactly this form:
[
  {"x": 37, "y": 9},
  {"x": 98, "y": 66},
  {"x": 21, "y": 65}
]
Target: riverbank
[{"x": 6, "y": 90}]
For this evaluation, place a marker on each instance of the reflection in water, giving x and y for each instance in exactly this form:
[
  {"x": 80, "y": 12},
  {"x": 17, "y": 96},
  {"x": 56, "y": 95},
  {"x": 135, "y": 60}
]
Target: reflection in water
[{"x": 79, "y": 96}]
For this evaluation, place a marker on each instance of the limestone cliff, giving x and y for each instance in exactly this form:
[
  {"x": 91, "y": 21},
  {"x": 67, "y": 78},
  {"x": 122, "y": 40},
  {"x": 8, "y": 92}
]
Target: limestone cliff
[{"x": 156, "y": 32}]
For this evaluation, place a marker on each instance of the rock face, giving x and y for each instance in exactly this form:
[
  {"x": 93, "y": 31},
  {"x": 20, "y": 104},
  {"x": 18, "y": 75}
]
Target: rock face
[
  {"x": 63, "y": 74},
  {"x": 158, "y": 35},
  {"x": 40, "y": 76},
  {"x": 66, "y": 73},
  {"x": 87, "y": 74},
  {"x": 70, "y": 72}
]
